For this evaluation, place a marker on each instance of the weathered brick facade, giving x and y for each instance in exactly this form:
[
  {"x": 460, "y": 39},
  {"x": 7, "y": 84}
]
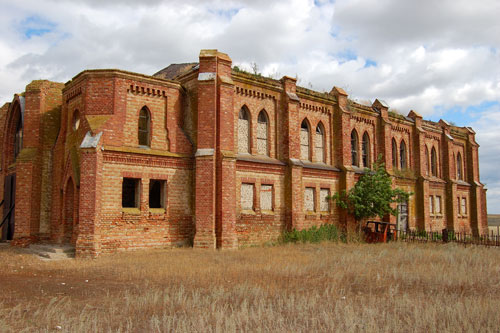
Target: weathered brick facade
[{"x": 206, "y": 155}]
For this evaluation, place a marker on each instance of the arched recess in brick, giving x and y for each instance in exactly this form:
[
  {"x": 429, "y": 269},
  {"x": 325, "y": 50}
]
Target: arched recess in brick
[
  {"x": 244, "y": 126},
  {"x": 354, "y": 148},
  {"x": 460, "y": 173},
  {"x": 403, "y": 155},
  {"x": 427, "y": 162},
  {"x": 263, "y": 133},
  {"x": 365, "y": 150},
  {"x": 394, "y": 154},
  {"x": 69, "y": 205},
  {"x": 13, "y": 141},
  {"x": 305, "y": 135},
  {"x": 144, "y": 130},
  {"x": 319, "y": 143},
  {"x": 434, "y": 162}
]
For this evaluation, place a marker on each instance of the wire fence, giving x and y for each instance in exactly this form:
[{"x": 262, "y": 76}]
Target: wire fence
[{"x": 447, "y": 236}]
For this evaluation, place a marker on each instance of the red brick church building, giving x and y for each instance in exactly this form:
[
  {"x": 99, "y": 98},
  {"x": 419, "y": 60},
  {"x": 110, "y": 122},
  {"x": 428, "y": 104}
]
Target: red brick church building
[{"x": 208, "y": 155}]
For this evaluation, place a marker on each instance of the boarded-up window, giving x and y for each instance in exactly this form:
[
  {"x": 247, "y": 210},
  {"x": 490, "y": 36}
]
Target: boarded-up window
[
  {"x": 144, "y": 127},
  {"x": 324, "y": 201},
  {"x": 464, "y": 206},
  {"x": 244, "y": 131},
  {"x": 247, "y": 197},
  {"x": 266, "y": 197},
  {"x": 431, "y": 204},
  {"x": 262, "y": 122},
  {"x": 304, "y": 141},
  {"x": 309, "y": 199},
  {"x": 319, "y": 143},
  {"x": 438, "y": 204}
]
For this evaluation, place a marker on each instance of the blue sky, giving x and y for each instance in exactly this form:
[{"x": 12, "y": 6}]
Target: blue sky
[{"x": 414, "y": 55}]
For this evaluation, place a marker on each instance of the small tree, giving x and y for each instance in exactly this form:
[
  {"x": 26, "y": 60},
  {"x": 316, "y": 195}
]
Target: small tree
[{"x": 372, "y": 195}]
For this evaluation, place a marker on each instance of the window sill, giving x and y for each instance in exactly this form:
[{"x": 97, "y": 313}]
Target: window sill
[
  {"x": 267, "y": 212},
  {"x": 247, "y": 212},
  {"x": 156, "y": 211},
  {"x": 131, "y": 210}
]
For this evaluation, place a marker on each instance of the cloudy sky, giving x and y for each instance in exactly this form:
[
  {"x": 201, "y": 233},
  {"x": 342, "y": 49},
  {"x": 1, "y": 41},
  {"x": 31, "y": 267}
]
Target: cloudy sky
[{"x": 440, "y": 58}]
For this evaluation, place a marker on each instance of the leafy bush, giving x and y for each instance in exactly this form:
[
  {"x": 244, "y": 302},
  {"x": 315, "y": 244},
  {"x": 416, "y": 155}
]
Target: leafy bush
[{"x": 326, "y": 232}]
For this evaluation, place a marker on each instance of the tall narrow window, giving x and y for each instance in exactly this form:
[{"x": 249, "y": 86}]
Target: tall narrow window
[
  {"x": 320, "y": 143},
  {"x": 463, "y": 204},
  {"x": 130, "y": 192},
  {"x": 434, "y": 167},
  {"x": 266, "y": 197},
  {"x": 324, "y": 201},
  {"x": 431, "y": 204},
  {"x": 438, "y": 204},
  {"x": 262, "y": 134},
  {"x": 304, "y": 141},
  {"x": 394, "y": 154},
  {"x": 354, "y": 148},
  {"x": 244, "y": 131},
  {"x": 309, "y": 199},
  {"x": 76, "y": 120},
  {"x": 366, "y": 150},
  {"x": 156, "y": 193},
  {"x": 247, "y": 196},
  {"x": 402, "y": 155},
  {"x": 18, "y": 140},
  {"x": 427, "y": 163},
  {"x": 144, "y": 127},
  {"x": 459, "y": 167}
]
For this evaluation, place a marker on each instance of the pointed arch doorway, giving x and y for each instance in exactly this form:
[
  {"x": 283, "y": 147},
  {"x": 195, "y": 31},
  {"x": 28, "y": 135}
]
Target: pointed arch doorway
[{"x": 70, "y": 213}]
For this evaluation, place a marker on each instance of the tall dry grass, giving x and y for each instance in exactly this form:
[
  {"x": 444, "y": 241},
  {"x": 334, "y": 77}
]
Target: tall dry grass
[{"x": 325, "y": 287}]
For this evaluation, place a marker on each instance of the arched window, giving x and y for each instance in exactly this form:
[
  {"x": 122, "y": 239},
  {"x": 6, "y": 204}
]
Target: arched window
[
  {"x": 459, "y": 167},
  {"x": 144, "y": 127},
  {"x": 394, "y": 154},
  {"x": 366, "y": 150},
  {"x": 262, "y": 146},
  {"x": 427, "y": 163},
  {"x": 304, "y": 141},
  {"x": 75, "y": 123},
  {"x": 402, "y": 155},
  {"x": 18, "y": 139},
  {"x": 354, "y": 148},
  {"x": 434, "y": 167},
  {"x": 244, "y": 131},
  {"x": 320, "y": 143}
]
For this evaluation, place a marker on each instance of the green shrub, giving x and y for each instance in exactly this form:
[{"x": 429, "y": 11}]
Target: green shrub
[{"x": 326, "y": 232}]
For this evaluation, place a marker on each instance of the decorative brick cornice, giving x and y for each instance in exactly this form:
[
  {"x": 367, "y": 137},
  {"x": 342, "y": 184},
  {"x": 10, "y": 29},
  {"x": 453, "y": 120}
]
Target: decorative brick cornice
[
  {"x": 142, "y": 90},
  {"x": 253, "y": 93}
]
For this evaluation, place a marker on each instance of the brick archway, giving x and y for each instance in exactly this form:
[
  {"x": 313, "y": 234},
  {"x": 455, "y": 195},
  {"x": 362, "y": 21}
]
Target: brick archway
[{"x": 70, "y": 212}]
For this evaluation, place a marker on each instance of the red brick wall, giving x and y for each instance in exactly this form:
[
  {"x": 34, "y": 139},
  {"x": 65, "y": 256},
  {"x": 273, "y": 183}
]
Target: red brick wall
[{"x": 194, "y": 148}]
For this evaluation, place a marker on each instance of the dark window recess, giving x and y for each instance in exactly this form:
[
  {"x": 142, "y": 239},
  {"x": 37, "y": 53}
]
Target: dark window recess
[
  {"x": 18, "y": 140},
  {"x": 130, "y": 193},
  {"x": 157, "y": 194},
  {"x": 144, "y": 127}
]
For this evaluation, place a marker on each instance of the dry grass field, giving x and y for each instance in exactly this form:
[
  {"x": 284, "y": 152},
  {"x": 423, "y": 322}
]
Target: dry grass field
[{"x": 293, "y": 288}]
